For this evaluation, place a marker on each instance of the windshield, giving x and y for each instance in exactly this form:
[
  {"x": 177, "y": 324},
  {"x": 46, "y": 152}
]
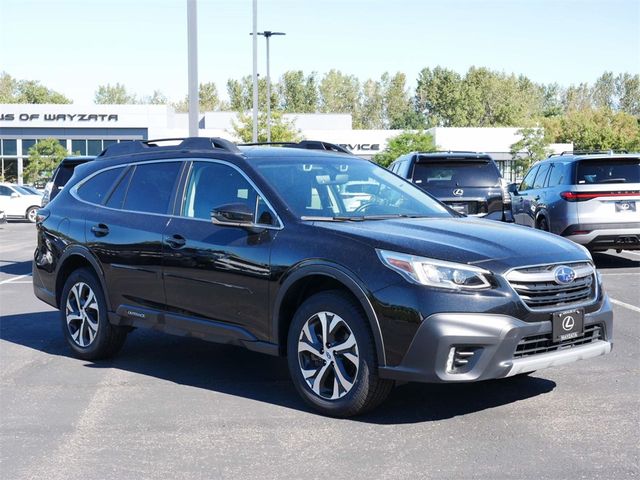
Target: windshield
[
  {"x": 456, "y": 174},
  {"x": 327, "y": 188},
  {"x": 609, "y": 170},
  {"x": 22, "y": 190}
]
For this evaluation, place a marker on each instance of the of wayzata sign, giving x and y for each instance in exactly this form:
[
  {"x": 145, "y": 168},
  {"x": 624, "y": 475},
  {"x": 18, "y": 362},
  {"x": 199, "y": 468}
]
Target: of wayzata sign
[{"x": 59, "y": 117}]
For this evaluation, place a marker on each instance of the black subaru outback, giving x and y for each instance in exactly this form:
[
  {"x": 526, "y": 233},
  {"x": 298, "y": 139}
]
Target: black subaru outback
[
  {"x": 468, "y": 182},
  {"x": 257, "y": 247}
]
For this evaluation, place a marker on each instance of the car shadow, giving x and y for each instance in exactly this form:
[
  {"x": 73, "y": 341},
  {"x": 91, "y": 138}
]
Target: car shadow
[
  {"x": 236, "y": 371},
  {"x": 15, "y": 268},
  {"x": 605, "y": 260}
]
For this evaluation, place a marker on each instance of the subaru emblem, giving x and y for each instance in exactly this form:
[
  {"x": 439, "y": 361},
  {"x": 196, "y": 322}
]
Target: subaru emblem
[
  {"x": 458, "y": 192},
  {"x": 564, "y": 275}
]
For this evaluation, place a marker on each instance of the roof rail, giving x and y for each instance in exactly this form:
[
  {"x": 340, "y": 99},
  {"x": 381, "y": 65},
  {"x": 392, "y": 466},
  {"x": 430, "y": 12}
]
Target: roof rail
[
  {"x": 305, "y": 144},
  {"x": 591, "y": 152},
  {"x": 196, "y": 143}
]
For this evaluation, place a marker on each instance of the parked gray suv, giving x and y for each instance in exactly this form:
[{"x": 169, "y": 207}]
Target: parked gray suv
[{"x": 591, "y": 199}]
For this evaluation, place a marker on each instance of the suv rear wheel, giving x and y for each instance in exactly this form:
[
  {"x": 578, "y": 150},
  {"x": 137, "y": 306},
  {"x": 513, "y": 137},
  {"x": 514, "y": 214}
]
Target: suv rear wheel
[
  {"x": 84, "y": 318},
  {"x": 331, "y": 356}
]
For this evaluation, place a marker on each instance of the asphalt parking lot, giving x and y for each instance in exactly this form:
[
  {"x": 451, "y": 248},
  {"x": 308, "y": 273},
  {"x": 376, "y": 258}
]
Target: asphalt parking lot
[{"x": 170, "y": 407}]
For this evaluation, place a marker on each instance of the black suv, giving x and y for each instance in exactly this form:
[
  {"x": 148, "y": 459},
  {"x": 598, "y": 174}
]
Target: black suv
[
  {"x": 61, "y": 175},
  {"x": 256, "y": 247},
  {"x": 468, "y": 182}
]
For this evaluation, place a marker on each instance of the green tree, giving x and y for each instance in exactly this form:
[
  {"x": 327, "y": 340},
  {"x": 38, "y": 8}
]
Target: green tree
[
  {"x": 628, "y": 93},
  {"x": 27, "y": 91},
  {"x": 156, "y": 98},
  {"x": 601, "y": 129},
  {"x": 340, "y": 93},
  {"x": 399, "y": 111},
  {"x": 208, "y": 99},
  {"x": 282, "y": 130},
  {"x": 371, "y": 114},
  {"x": 113, "y": 95},
  {"x": 603, "y": 92},
  {"x": 439, "y": 95},
  {"x": 404, "y": 143},
  {"x": 531, "y": 148},
  {"x": 44, "y": 156},
  {"x": 241, "y": 94},
  {"x": 298, "y": 93}
]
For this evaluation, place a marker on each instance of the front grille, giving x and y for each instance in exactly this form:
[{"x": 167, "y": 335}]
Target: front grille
[
  {"x": 537, "y": 344},
  {"x": 539, "y": 290}
]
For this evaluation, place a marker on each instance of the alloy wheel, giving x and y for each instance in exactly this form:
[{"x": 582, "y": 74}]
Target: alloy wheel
[
  {"x": 328, "y": 355},
  {"x": 82, "y": 314}
]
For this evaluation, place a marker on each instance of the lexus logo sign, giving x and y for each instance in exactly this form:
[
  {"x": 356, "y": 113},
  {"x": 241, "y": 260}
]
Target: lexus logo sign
[
  {"x": 568, "y": 323},
  {"x": 458, "y": 192}
]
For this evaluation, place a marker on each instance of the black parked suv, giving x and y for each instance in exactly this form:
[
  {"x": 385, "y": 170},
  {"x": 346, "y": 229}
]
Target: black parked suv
[
  {"x": 61, "y": 175},
  {"x": 468, "y": 182},
  {"x": 256, "y": 247}
]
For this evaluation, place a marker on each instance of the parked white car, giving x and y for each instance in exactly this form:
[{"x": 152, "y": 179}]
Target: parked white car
[{"x": 18, "y": 202}]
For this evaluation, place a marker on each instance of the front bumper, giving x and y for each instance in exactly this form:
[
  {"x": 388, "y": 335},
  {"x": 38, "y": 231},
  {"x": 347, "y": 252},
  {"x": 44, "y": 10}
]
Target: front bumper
[{"x": 493, "y": 339}]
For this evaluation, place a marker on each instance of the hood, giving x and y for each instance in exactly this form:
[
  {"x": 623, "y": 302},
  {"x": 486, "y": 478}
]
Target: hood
[{"x": 489, "y": 244}]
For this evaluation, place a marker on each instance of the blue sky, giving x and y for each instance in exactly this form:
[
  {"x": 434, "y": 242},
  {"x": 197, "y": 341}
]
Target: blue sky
[{"x": 75, "y": 45}]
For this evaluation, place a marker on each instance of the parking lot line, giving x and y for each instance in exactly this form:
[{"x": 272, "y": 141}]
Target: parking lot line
[
  {"x": 13, "y": 279},
  {"x": 625, "y": 305}
]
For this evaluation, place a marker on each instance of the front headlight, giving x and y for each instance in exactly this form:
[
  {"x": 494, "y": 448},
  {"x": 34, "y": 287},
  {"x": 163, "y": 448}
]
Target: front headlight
[{"x": 435, "y": 273}]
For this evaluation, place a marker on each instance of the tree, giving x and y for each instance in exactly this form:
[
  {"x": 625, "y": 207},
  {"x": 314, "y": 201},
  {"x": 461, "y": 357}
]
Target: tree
[
  {"x": 157, "y": 98},
  {"x": 602, "y": 129},
  {"x": 531, "y": 148},
  {"x": 399, "y": 112},
  {"x": 208, "y": 99},
  {"x": 298, "y": 94},
  {"x": 603, "y": 93},
  {"x": 371, "y": 114},
  {"x": 404, "y": 143},
  {"x": 113, "y": 95},
  {"x": 282, "y": 130},
  {"x": 241, "y": 94},
  {"x": 340, "y": 93},
  {"x": 439, "y": 97},
  {"x": 27, "y": 91},
  {"x": 44, "y": 156},
  {"x": 628, "y": 92}
]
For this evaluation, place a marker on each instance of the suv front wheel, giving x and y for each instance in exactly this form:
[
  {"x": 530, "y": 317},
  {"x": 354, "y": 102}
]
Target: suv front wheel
[
  {"x": 84, "y": 319},
  {"x": 331, "y": 356}
]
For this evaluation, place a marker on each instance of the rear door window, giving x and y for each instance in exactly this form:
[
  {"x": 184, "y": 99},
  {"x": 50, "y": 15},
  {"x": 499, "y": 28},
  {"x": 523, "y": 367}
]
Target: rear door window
[
  {"x": 541, "y": 176},
  {"x": 96, "y": 189},
  {"x": 151, "y": 187},
  {"x": 456, "y": 174},
  {"x": 608, "y": 170}
]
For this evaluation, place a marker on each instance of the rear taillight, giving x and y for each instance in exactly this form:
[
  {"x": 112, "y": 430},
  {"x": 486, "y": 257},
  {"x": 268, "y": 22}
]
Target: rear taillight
[
  {"x": 584, "y": 196},
  {"x": 42, "y": 215}
]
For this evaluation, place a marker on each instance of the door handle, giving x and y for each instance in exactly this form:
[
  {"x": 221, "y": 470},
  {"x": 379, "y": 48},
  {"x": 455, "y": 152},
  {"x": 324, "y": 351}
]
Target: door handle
[
  {"x": 537, "y": 197},
  {"x": 176, "y": 241},
  {"x": 100, "y": 230}
]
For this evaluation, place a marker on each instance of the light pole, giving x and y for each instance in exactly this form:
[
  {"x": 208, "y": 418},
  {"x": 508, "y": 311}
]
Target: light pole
[
  {"x": 192, "y": 47},
  {"x": 268, "y": 34}
]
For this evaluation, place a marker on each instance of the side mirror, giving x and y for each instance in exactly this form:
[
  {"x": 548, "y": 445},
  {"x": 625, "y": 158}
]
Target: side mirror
[
  {"x": 233, "y": 214},
  {"x": 14, "y": 195},
  {"x": 512, "y": 188}
]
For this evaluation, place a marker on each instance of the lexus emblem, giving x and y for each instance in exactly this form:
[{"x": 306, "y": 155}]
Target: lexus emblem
[
  {"x": 568, "y": 323},
  {"x": 624, "y": 206},
  {"x": 564, "y": 275},
  {"x": 458, "y": 192}
]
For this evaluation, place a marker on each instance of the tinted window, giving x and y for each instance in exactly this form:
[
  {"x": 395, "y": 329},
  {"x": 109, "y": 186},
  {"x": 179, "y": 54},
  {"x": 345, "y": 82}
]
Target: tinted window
[
  {"x": 456, "y": 174},
  {"x": 212, "y": 185},
  {"x": 558, "y": 174},
  {"x": 5, "y": 191},
  {"x": 117, "y": 196},
  {"x": 96, "y": 188},
  {"x": 151, "y": 187},
  {"x": 541, "y": 176},
  {"x": 609, "y": 170},
  {"x": 528, "y": 179}
]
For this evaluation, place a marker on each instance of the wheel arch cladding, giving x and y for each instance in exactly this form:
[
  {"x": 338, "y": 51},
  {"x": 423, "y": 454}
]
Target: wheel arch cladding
[
  {"x": 72, "y": 262},
  {"x": 303, "y": 284}
]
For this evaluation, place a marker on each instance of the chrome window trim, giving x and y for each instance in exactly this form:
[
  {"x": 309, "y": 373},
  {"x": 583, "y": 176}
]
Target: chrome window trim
[{"x": 74, "y": 191}]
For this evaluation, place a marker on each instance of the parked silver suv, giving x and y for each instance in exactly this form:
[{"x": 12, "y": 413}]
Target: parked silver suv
[{"x": 593, "y": 200}]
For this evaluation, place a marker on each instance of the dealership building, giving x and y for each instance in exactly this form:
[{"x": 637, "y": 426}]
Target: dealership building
[{"x": 88, "y": 129}]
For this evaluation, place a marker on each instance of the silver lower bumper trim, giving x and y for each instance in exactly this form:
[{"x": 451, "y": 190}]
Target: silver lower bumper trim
[{"x": 554, "y": 359}]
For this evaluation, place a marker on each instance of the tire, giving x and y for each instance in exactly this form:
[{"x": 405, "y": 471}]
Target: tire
[
  {"x": 83, "y": 314},
  {"x": 32, "y": 214},
  {"x": 542, "y": 224},
  {"x": 338, "y": 378}
]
